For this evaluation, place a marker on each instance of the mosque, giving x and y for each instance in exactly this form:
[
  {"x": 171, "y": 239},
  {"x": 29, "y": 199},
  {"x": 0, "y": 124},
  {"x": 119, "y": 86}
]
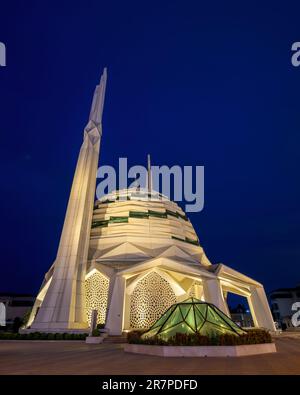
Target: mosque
[{"x": 128, "y": 256}]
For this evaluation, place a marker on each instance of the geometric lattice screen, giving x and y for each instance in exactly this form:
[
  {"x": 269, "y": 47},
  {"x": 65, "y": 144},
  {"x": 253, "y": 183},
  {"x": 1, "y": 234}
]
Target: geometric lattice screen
[
  {"x": 96, "y": 288},
  {"x": 151, "y": 297}
]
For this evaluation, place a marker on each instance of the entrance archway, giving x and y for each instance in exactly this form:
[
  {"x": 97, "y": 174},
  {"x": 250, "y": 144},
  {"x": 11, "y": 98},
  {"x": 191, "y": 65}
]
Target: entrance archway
[{"x": 239, "y": 310}]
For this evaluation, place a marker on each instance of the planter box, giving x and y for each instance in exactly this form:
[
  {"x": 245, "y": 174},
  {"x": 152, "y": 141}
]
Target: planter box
[
  {"x": 94, "y": 339},
  {"x": 201, "y": 351}
]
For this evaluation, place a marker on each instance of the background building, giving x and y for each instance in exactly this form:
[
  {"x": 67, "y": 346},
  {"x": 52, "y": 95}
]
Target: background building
[
  {"x": 241, "y": 316},
  {"x": 16, "y": 306},
  {"x": 282, "y": 300}
]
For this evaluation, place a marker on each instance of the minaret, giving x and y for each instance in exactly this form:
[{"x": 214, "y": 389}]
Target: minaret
[{"x": 63, "y": 307}]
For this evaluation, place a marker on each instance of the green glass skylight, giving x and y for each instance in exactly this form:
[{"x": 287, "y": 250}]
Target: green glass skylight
[{"x": 193, "y": 316}]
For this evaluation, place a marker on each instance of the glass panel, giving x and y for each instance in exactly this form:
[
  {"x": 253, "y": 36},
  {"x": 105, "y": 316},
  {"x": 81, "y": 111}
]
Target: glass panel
[
  {"x": 150, "y": 333},
  {"x": 185, "y": 308},
  {"x": 212, "y": 330},
  {"x": 190, "y": 319},
  {"x": 163, "y": 318},
  {"x": 174, "y": 319},
  {"x": 157, "y": 214},
  {"x": 138, "y": 214},
  {"x": 179, "y": 328},
  {"x": 199, "y": 319},
  {"x": 202, "y": 308},
  {"x": 230, "y": 323},
  {"x": 98, "y": 224},
  {"x": 117, "y": 220},
  {"x": 214, "y": 318}
]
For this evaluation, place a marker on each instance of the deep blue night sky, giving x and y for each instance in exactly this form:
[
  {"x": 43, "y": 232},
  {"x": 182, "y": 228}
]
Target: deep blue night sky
[{"x": 192, "y": 83}]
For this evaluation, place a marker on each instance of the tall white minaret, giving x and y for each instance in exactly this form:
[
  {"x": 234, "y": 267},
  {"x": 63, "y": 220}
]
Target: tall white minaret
[{"x": 63, "y": 306}]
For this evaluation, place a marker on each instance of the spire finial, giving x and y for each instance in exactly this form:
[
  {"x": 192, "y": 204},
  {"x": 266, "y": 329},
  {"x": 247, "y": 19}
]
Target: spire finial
[{"x": 98, "y": 100}]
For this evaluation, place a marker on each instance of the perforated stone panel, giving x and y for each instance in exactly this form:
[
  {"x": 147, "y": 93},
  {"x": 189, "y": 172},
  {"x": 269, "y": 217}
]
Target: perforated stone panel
[
  {"x": 96, "y": 287},
  {"x": 151, "y": 297}
]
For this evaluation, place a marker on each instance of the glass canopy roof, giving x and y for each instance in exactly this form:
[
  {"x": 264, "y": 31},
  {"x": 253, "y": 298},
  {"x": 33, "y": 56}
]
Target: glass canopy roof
[{"x": 193, "y": 316}]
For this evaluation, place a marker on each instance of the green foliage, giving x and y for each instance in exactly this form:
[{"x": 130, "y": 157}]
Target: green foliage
[
  {"x": 42, "y": 336},
  {"x": 252, "y": 336},
  {"x": 134, "y": 337},
  {"x": 96, "y": 332}
]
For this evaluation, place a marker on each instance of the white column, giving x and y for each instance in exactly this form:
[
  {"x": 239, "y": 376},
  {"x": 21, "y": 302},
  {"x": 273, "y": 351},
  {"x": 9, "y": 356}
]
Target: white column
[
  {"x": 260, "y": 309},
  {"x": 213, "y": 294},
  {"x": 114, "y": 322}
]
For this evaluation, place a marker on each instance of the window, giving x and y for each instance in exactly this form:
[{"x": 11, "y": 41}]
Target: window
[
  {"x": 99, "y": 224},
  {"x": 157, "y": 214},
  {"x": 138, "y": 214},
  {"x": 118, "y": 220}
]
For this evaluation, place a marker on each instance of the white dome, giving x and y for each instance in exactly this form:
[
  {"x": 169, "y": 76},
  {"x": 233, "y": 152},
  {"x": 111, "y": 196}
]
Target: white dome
[{"x": 130, "y": 226}]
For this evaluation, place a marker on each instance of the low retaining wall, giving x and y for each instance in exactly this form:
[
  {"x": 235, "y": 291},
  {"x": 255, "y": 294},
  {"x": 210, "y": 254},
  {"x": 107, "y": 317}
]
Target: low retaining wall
[{"x": 201, "y": 351}]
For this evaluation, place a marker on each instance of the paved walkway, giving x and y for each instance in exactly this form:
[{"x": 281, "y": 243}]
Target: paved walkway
[{"x": 45, "y": 357}]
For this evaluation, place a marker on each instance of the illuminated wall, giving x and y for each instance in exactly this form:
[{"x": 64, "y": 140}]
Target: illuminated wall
[
  {"x": 96, "y": 286},
  {"x": 151, "y": 297}
]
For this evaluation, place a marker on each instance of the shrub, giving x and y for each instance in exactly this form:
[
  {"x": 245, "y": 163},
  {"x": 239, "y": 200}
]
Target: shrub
[
  {"x": 36, "y": 336},
  {"x": 252, "y": 336},
  {"x": 96, "y": 332},
  {"x": 134, "y": 337},
  {"x": 42, "y": 336}
]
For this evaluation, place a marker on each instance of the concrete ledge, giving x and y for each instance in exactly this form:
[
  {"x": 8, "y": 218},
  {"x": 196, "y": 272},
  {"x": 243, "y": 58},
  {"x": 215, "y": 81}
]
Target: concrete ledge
[
  {"x": 201, "y": 351},
  {"x": 94, "y": 339}
]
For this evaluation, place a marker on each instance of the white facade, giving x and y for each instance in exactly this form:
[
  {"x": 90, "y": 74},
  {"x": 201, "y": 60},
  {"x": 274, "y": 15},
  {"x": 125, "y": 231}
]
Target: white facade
[{"x": 129, "y": 257}]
